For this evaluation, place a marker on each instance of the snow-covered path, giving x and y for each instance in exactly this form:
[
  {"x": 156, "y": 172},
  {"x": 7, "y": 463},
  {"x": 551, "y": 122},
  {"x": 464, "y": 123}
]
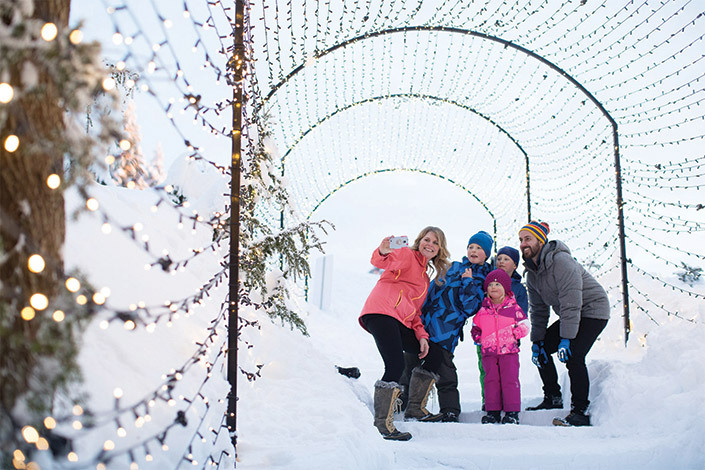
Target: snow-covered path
[{"x": 646, "y": 405}]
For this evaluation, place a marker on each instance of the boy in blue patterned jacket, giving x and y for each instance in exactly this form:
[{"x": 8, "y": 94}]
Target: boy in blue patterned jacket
[{"x": 447, "y": 308}]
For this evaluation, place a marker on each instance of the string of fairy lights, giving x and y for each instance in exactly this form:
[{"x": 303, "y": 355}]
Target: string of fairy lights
[
  {"x": 651, "y": 97},
  {"x": 361, "y": 87}
]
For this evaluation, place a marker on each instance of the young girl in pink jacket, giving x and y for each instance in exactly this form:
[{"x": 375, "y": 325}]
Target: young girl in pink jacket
[{"x": 497, "y": 327}]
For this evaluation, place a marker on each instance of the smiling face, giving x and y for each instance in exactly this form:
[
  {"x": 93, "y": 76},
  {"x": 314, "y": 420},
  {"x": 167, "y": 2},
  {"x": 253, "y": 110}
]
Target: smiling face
[
  {"x": 429, "y": 245},
  {"x": 529, "y": 245},
  {"x": 495, "y": 292},
  {"x": 506, "y": 264},
  {"x": 476, "y": 255}
]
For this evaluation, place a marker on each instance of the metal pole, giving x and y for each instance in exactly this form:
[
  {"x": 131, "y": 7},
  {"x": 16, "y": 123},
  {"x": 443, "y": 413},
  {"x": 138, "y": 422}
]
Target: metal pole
[
  {"x": 528, "y": 189},
  {"x": 620, "y": 222},
  {"x": 236, "y": 64}
]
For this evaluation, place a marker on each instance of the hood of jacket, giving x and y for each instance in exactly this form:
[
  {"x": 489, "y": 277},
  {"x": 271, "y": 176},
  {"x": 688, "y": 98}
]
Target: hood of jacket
[{"x": 546, "y": 255}]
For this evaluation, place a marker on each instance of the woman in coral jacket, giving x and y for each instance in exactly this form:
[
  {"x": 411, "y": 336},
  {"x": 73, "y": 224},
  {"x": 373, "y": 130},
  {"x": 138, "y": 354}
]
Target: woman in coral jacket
[
  {"x": 497, "y": 328},
  {"x": 392, "y": 314}
]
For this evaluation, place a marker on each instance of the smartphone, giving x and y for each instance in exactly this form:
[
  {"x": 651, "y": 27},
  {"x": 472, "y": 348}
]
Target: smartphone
[{"x": 398, "y": 242}]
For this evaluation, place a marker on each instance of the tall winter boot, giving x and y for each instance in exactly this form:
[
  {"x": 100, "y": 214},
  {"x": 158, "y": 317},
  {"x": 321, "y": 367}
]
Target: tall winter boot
[
  {"x": 386, "y": 395},
  {"x": 419, "y": 388}
]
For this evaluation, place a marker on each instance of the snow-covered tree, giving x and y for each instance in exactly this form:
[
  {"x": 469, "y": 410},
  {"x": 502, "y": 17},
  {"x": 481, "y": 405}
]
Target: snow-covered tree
[
  {"x": 130, "y": 168},
  {"x": 48, "y": 77},
  {"x": 272, "y": 255}
]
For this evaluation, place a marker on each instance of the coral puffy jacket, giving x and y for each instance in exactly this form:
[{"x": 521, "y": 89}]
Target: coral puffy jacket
[{"x": 401, "y": 289}]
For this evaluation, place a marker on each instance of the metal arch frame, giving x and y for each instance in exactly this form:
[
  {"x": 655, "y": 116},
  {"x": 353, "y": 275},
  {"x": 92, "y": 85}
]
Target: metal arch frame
[
  {"x": 431, "y": 98},
  {"x": 551, "y": 65},
  {"x": 412, "y": 170}
]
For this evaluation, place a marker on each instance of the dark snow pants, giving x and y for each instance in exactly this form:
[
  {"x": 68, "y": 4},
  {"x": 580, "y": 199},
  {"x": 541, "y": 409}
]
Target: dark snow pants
[
  {"x": 588, "y": 331},
  {"x": 447, "y": 385},
  {"x": 393, "y": 339}
]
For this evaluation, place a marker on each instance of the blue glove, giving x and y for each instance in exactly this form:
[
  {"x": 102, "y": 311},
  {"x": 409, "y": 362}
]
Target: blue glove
[
  {"x": 564, "y": 350},
  {"x": 539, "y": 356}
]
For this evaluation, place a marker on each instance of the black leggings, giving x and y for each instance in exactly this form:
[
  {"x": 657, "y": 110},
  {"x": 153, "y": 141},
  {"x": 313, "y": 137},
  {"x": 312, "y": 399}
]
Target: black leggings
[{"x": 393, "y": 339}]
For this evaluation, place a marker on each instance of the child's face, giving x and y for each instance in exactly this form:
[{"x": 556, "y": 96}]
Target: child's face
[
  {"x": 476, "y": 254},
  {"x": 506, "y": 264},
  {"x": 495, "y": 292}
]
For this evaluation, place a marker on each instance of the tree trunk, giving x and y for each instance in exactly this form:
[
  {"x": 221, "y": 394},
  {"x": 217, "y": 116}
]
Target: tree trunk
[{"x": 32, "y": 217}]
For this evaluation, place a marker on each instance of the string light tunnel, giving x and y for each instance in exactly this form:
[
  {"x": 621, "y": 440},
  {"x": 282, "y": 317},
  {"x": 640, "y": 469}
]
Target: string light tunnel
[{"x": 533, "y": 98}]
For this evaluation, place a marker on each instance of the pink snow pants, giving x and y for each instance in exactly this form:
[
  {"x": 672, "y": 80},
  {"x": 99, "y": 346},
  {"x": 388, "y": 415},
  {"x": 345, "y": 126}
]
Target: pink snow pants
[{"x": 502, "y": 390}]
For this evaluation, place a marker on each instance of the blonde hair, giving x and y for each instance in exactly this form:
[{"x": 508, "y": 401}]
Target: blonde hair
[{"x": 441, "y": 262}]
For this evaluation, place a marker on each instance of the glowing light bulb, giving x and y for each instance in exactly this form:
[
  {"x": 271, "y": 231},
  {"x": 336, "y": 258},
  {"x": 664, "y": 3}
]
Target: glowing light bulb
[
  {"x": 49, "y": 32},
  {"x": 6, "y": 92},
  {"x": 72, "y": 457},
  {"x": 36, "y": 264},
  {"x": 108, "y": 445},
  {"x": 106, "y": 228},
  {"x": 117, "y": 39},
  {"x": 76, "y": 36},
  {"x": 12, "y": 143},
  {"x": 125, "y": 144},
  {"x": 53, "y": 181},
  {"x": 92, "y": 204},
  {"x": 58, "y": 316},
  {"x": 39, "y": 301},
  {"x": 49, "y": 422},
  {"x": 42, "y": 444},
  {"x": 73, "y": 284},
  {"x": 27, "y": 313},
  {"x": 118, "y": 393},
  {"x": 30, "y": 434},
  {"x": 109, "y": 84}
]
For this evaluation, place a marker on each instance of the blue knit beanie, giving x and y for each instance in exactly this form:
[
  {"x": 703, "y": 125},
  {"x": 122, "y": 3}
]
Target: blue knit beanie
[
  {"x": 513, "y": 253},
  {"x": 483, "y": 239}
]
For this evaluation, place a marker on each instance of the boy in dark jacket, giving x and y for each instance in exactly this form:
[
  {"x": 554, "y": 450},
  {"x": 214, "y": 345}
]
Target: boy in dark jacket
[{"x": 507, "y": 260}]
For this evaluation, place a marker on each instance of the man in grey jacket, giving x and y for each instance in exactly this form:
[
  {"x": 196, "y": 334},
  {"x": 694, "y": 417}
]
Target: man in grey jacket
[{"x": 556, "y": 280}]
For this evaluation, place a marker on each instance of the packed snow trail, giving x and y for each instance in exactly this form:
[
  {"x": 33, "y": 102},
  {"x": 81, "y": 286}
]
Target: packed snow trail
[{"x": 646, "y": 404}]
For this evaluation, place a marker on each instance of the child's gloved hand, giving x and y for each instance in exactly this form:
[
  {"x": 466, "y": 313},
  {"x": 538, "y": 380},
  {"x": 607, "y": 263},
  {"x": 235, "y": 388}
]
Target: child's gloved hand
[
  {"x": 539, "y": 356},
  {"x": 564, "y": 352}
]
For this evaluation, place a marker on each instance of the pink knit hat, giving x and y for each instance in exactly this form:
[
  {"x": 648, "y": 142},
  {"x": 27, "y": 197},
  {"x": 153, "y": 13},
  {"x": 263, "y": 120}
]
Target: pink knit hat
[{"x": 498, "y": 275}]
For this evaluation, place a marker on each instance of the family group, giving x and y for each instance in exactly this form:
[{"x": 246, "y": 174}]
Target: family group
[{"x": 417, "y": 323}]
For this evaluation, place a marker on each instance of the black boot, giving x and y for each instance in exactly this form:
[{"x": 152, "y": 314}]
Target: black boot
[
  {"x": 577, "y": 418},
  {"x": 511, "y": 417},
  {"x": 548, "y": 403},
  {"x": 450, "y": 417},
  {"x": 492, "y": 417}
]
